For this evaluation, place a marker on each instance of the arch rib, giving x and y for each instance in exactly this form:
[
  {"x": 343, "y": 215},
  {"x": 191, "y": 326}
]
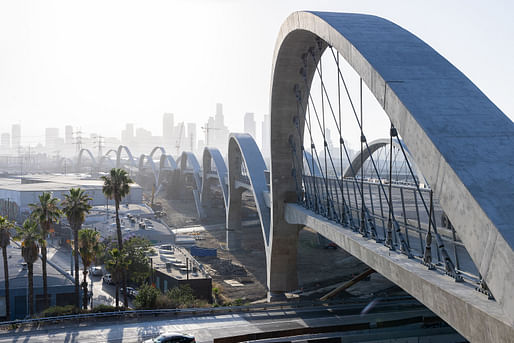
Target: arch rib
[
  {"x": 460, "y": 141},
  {"x": 214, "y": 155}
]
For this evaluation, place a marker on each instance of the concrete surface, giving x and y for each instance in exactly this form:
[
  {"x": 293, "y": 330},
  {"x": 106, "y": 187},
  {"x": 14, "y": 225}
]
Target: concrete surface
[{"x": 460, "y": 140}]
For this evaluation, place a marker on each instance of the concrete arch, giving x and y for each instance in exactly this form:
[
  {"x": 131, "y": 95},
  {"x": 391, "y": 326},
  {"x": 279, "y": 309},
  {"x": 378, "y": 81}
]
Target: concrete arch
[
  {"x": 167, "y": 162},
  {"x": 213, "y": 155},
  {"x": 460, "y": 140},
  {"x": 122, "y": 148},
  {"x": 312, "y": 164},
  {"x": 242, "y": 150},
  {"x": 89, "y": 153},
  {"x": 374, "y": 146},
  {"x": 145, "y": 160}
]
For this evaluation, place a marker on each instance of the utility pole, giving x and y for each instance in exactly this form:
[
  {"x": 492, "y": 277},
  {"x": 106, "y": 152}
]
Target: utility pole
[
  {"x": 78, "y": 140},
  {"x": 99, "y": 144}
]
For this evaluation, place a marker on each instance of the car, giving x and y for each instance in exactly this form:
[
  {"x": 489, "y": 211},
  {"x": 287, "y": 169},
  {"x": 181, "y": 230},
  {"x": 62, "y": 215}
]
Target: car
[
  {"x": 172, "y": 337},
  {"x": 97, "y": 271},
  {"x": 132, "y": 293},
  {"x": 107, "y": 278}
]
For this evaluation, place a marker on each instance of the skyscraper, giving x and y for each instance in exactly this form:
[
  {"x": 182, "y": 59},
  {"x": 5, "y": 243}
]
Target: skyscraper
[
  {"x": 167, "y": 126},
  {"x": 16, "y": 136},
  {"x": 127, "y": 135},
  {"x": 249, "y": 124},
  {"x": 216, "y": 133},
  {"x": 51, "y": 137},
  {"x": 68, "y": 135},
  {"x": 5, "y": 141},
  {"x": 266, "y": 135}
]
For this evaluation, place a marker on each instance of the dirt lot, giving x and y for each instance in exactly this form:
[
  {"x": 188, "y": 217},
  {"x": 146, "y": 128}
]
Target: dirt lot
[{"x": 241, "y": 274}]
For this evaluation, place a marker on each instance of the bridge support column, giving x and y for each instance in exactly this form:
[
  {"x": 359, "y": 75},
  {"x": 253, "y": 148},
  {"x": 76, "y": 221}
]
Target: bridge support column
[{"x": 234, "y": 212}]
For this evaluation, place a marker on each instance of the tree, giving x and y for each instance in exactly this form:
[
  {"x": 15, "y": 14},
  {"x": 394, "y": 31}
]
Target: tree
[
  {"x": 5, "y": 240},
  {"x": 116, "y": 187},
  {"x": 89, "y": 244},
  {"x": 45, "y": 213},
  {"x": 117, "y": 264},
  {"x": 30, "y": 236},
  {"x": 75, "y": 207},
  {"x": 146, "y": 297},
  {"x": 137, "y": 249}
]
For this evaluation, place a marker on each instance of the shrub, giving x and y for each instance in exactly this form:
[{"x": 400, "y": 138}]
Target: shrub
[
  {"x": 103, "y": 308},
  {"x": 163, "y": 302},
  {"x": 55, "y": 311},
  {"x": 146, "y": 297}
]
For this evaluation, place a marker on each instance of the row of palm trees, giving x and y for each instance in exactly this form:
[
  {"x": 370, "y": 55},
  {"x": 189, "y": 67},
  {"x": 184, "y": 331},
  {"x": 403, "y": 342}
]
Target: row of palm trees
[{"x": 75, "y": 206}]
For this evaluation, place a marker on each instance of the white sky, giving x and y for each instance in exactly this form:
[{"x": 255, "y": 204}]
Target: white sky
[{"x": 99, "y": 64}]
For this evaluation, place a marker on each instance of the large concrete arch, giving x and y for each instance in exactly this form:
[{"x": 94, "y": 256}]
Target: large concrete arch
[
  {"x": 313, "y": 165},
  {"x": 167, "y": 162},
  {"x": 242, "y": 150},
  {"x": 460, "y": 140},
  {"x": 374, "y": 146},
  {"x": 144, "y": 161},
  {"x": 189, "y": 159},
  {"x": 122, "y": 148},
  {"x": 213, "y": 155},
  {"x": 89, "y": 153}
]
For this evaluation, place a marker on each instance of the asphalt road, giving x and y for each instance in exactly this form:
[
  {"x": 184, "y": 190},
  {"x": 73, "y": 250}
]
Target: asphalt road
[{"x": 206, "y": 328}]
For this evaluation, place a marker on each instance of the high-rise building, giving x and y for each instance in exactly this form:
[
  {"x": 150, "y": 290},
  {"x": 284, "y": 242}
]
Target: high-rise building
[
  {"x": 16, "y": 136},
  {"x": 68, "y": 135},
  {"x": 5, "y": 141},
  {"x": 191, "y": 137},
  {"x": 168, "y": 126},
  {"x": 51, "y": 137},
  {"x": 216, "y": 133},
  {"x": 266, "y": 135},
  {"x": 249, "y": 124},
  {"x": 127, "y": 135}
]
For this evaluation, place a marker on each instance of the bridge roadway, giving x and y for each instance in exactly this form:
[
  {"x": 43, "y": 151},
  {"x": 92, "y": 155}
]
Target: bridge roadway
[{"x": 388, "y": 319}]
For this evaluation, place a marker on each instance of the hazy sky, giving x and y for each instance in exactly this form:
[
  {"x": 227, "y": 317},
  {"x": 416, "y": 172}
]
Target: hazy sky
[{"x": 99, "y": 64}]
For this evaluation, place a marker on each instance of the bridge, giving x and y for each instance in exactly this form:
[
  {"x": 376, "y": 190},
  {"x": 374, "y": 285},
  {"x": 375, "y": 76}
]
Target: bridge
[{"x": 429, "y": 206}]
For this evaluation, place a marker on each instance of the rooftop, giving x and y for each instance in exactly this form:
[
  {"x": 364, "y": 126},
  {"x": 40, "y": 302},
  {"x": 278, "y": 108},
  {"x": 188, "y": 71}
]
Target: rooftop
[
  {"x": 18, "y": 272},
  {"x": 173, "y": 262}
]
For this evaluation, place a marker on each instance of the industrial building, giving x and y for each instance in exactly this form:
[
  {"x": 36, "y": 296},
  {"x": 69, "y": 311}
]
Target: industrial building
[{"x": 26, "y": 190}]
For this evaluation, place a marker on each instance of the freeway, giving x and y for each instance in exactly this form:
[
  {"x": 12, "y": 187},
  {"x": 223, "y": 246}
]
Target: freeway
[{"x": 208, "y": 327}]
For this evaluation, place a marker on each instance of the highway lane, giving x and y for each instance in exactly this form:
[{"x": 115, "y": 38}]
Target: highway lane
[{"x": 206, "y": 328}]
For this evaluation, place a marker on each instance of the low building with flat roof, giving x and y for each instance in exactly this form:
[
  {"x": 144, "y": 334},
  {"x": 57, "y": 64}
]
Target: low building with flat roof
[
  {"x": 174, "y": 266},
  {"x": 61, "y": 286},
  {"x": 27, "y": 190}
]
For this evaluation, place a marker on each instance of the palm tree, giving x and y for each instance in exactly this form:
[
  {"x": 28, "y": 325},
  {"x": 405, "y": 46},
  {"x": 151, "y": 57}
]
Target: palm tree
[
  {"x": 89, "y": 244},
  {"x": 117, "y": 263},
  {"x": 30, "y": 236},
  {"x": 45, "y": 213},
  {"x": 5, "y": 239},
  {"x": 117, "y": 186},
  {"x": 75, "y": 207}
]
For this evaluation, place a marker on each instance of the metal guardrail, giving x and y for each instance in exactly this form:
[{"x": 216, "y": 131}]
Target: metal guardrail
[{"x": 191, "y": 311}]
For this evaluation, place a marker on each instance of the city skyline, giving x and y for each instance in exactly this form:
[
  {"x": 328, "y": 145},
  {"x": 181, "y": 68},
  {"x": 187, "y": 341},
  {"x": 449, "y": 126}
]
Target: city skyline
[
  {"x": 176, "y": 136},
  {"x": 55, "y": 68}
]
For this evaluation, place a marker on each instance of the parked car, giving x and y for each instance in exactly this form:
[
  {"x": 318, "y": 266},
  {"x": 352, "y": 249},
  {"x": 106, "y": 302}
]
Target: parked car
[
  {"x": 97, "y": 271},
  {"x": 172, "y": 337},
  {"x": 131, "y": 292},
  {"x": 107, "y": 278}
]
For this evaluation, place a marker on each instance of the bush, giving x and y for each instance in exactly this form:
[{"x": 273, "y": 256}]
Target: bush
[
  {"x": 183, "y": 297},
  {"x": 163, "y": 302},
  {"x": 146, "y": 297},
  {"x": 55, "y": 311},
  {"x": 103, "y": 308}
]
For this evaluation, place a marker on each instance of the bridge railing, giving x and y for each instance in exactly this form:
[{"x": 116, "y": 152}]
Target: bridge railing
[{"x": 340, "y": 200}]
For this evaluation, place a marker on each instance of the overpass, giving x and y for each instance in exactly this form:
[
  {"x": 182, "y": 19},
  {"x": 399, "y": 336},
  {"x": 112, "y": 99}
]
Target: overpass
[{"x": 441, "y": 228}]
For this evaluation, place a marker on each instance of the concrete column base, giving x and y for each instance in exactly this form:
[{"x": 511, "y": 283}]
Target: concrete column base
[
  {"x": 276, "y": 296},
  {"x": 233, "y": 240}
]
